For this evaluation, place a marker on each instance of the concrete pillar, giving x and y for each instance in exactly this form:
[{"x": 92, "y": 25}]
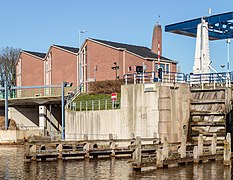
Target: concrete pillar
[
  {"x": 195, "y": 155},
  {"x": 214, "y": 144},
  {"x": 227, "y": 150},
  {"x": 86, "y": 148},
  {"x": 113, "y": 146},
  {"x": 200, "y": 144},
  {"x": 42, "y": 117},
  {"x": 159, "y": 158},
  {"x": 183, "y": 147},
  {"x": 32, "y": 150},
  {"x": 137, "y": 154},
  {"x": 110, "y": 136},
  {"x": 59, "y": 148},
  {"x": 85, "y": 137},
  {"x": 165, "y": 147}
]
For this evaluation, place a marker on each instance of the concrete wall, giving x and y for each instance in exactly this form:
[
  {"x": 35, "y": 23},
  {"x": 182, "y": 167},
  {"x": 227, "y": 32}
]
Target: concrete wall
[
  {"x": 32, "y": 117},
  {"x": 28, "y": 116},
  {"x": 164, "y": 111},
  {"x": 16, "y": 135}
]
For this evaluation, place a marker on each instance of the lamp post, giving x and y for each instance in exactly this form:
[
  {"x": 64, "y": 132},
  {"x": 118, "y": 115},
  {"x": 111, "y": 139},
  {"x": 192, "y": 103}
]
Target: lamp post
[
  {"x": 6, "y": 105},
  {"x": 79, "y": 45},
  {"x": 228, "y": 41},
  {"x": 64, "y": 84},
  {"x": 116, "y": 67}
]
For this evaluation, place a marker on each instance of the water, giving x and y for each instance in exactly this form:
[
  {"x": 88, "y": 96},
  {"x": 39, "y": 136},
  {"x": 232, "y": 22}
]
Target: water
[{"x": 12, "y": 166}]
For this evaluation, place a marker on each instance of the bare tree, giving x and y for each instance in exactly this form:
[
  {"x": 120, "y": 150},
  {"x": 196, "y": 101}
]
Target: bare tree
[{"x": 8, "y": 57}]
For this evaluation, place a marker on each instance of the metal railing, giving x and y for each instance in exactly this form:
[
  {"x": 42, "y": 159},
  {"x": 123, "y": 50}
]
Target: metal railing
[
  {"x": 173, "y": 77},
  {"x": 153, "y": 77},
  {"x": 92, "y": 105},
  {"x": 39, "y": 92}
]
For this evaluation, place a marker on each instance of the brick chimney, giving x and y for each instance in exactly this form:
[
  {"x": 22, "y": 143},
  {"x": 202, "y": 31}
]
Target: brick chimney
[{"x": 157, "y": 38}]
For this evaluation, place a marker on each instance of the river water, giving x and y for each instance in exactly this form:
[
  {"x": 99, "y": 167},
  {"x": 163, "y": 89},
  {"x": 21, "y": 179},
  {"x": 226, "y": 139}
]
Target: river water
[{"x": 12, "y": 166}]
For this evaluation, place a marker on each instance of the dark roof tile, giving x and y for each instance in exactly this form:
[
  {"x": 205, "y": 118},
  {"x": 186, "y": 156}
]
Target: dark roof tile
[
  {"x": 139, "y": 50},
  {"x": 38, "y": 54},
  {"x": 71, "y": 49}
]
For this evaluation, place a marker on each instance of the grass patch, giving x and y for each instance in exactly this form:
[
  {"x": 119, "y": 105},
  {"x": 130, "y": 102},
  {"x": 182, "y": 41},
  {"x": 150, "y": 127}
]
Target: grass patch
[{"x": 87, "y": 102}]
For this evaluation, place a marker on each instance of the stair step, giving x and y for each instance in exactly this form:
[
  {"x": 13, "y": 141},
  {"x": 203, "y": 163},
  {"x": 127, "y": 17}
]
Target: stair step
[
  {"x": 207, "y": 90},
  {"x": 207, "y": 101},
  {"x": 209, "y": 134},
  {"x": 207, "y": 124},
  {"x": 207, "y": 113}
]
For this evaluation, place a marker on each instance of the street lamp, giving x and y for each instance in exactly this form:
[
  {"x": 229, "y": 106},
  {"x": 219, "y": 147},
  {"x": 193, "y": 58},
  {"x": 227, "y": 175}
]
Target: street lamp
[
  {"x": 115, "y": 68},
  {"x": 64, "y": 84},
  {"x": 228, "y": 41}
]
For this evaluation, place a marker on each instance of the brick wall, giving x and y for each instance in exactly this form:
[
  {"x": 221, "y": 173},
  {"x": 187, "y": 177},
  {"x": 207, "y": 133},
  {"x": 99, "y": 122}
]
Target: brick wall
[
  {"x": 102, "y": 57},
  {"x": 32, "y": 70},
  {"x": 64, "y": 66}
]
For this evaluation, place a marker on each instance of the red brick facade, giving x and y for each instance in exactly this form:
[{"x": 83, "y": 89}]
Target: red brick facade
[
  {"x": 29, "y": 70},
  {"x": 60, "y": 65},
  {"x": 99, "y": 59},
  {"x": 95, "y": 61}
]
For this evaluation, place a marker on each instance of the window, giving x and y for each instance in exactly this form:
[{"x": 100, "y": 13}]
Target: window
[{"x": 165, "y": 67}]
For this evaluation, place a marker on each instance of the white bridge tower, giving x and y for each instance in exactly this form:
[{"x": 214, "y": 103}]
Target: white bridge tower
[{"x": 202, "y": 53}]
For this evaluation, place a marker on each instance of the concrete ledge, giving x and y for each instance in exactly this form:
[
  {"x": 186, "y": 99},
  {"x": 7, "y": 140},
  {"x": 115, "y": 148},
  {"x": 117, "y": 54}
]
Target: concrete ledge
[{"x": 8, "y": 136}]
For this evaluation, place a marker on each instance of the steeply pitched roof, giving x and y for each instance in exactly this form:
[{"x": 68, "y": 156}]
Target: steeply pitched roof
[
  {"x": 38, "y": 54},
  {"x": 71, "y": 49},
  {"x": 139, "y": 50}
]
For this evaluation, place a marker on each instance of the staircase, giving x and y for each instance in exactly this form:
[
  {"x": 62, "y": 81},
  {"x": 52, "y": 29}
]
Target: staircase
[{"x": 208, "y": 112}]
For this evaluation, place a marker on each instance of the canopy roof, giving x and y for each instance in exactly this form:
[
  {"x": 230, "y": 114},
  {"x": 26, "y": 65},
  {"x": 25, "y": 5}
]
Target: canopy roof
[{"x": 220, "y": 26}]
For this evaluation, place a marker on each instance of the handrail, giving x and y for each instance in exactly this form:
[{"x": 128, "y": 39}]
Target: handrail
[{"x": 174, "y": 77}]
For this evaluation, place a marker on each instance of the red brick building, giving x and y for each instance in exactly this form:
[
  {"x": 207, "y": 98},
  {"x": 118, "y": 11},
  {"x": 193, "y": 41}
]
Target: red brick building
[
  {"x": 97, "y": 57},
  {"x": 60, "y": 64},
  {"x": 30, "y": 68},
  {"x": 97, "y": 60}
]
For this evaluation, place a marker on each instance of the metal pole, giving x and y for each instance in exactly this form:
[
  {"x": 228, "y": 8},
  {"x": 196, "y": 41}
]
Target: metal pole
[
  {"x": 6, "y": 105},
  {"x": 228, "y": 54},
  {"x": 228, "y": 61},
  {"x": 63, "y": 112},
  {"x": 50, "y": 110}
]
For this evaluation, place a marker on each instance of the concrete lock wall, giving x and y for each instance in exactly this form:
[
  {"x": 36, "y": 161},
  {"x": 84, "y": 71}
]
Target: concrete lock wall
[
  {"x": 163, "y": 109},
  {"x": 28, "y": 116},
  {"x": 17, "y": 135}
]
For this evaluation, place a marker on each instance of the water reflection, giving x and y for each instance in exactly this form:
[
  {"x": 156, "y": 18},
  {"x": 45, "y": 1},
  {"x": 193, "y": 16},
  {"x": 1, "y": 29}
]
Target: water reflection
[{"x": 12, "y": 166}]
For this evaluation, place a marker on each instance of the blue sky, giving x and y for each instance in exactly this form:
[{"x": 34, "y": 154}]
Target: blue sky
[{"x": 35, "y": 25}]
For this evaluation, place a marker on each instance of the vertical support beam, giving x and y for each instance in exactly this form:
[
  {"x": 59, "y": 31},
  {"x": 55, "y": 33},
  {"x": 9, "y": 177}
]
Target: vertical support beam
[
  {"x": 106, "y": 104},
  {"x": 6, "y": 105},
  {"x": 159, "y": 158},
  {"x": 183, "y": 147},
  {"x": 42, "y": 117},
  {"x": 59, "y": 148},
  {"x": 63, "y": 111},
  {"x": 214, "y": 144},
  {"x": 134, "y": 79},
  {"x": 86, "y": 148},
  {"x": 110, "y": 136},
  {"x": 195, "y": 155},
  {"x": 165, "y": 147},
  {"x": 85, "y": 137},
  {"x": 137, "y": 153},
  {"x": 200, "y": 144},
  {"x": 112, "y": 144},
  {"x": 227, "y": 150}
]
